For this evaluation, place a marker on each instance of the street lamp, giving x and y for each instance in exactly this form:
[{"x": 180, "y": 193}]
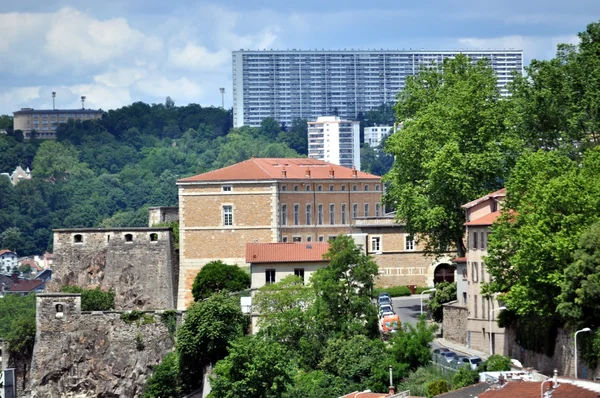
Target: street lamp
[
  {"x": 433, "y": 289},
  {"x": 362, "y": 392},
  {"x": 491, "y": 315},
  {"x": 222, "y": 90},
  {"x": 579, "y": 331}
]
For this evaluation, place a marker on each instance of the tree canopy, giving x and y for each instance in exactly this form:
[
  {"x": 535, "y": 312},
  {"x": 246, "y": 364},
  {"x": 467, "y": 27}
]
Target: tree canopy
[{"x": 217, "y": 276}]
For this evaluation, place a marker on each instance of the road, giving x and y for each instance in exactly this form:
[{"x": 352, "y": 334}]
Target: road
[{"x": 409, "y": 309}]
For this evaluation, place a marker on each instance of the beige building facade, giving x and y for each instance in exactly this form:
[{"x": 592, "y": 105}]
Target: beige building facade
[
  {"x": 45, "y": 121},
  {"x": 481, "y": 214}
]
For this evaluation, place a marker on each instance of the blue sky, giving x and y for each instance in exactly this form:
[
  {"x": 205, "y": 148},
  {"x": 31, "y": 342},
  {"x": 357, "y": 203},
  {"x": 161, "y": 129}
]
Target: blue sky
[{"x": 116, "y": 52}]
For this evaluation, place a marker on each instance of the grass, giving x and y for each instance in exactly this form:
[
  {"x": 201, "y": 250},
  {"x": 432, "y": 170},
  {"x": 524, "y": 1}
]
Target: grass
[
  {"x": 397, "y": 291},
  {"x": 418, "y": 380}
]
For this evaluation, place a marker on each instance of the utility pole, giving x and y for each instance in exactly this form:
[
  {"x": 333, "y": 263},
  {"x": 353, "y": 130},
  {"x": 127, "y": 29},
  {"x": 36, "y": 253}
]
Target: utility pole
[
  {"x": 53, "y": 103},
  {"x": 83, "y": 102},
  {"x": 222, "y": 90}
]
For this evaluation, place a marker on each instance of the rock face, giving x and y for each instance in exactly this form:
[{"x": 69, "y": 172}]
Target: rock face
[
  {"x": 93, "y": 354},
  {"x": 139, "y": 264}
]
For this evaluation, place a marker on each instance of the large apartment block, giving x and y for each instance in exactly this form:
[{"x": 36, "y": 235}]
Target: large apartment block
[
  {"x": 303, "y": 84},
  {"x": 45, "y": 121},
  {"x": 334, "y": 140}
]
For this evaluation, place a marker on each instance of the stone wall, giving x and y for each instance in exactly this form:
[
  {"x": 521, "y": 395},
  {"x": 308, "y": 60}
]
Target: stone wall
[
  {"x": 139, "y": 264},
  {"x": 454, "y": 323},
  {"x": 97, "y": 354},
  {"x": 163, "y": 214}
]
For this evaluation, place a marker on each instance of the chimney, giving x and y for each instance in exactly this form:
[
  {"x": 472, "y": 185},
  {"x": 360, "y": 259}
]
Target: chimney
[
  {"x": 354, "y": 172},
  {"x": 331, "y": 173},
  {"x": 307, "y": 174},
  {"x": 284, "y": 173},
  {"x": 391, "y": 389}
]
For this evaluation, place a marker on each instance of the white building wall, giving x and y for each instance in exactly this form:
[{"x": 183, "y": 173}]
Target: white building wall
[
  {"x": 326, "y": 141},
  {"x": 375, "y": 134}
]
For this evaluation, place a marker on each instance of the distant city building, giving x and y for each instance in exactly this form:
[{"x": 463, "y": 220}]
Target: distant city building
[
  {"x": 18, "y": 175},
  {"x": 374, "y": 135},
  {"x": 45, "y": 121},
  {"x": 8, "y": 260},
  {"x": 334, "y": 140},
  {"x": 286, "y": 85}
]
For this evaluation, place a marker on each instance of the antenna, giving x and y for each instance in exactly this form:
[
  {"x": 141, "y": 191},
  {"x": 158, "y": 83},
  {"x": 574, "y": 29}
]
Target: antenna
[
  {"x": 53, "y": 97},
  {"x": 83, "y": 102}
]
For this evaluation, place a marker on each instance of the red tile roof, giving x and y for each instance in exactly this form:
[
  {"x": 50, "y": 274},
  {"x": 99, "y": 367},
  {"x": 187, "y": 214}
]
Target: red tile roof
[
  {"x": 22, "y": 286},
  {"x": 4, "y": 251},
  {"x": 488, "y": 219},
  {"x": 498, "y": 194},
  {"x": 365, "y": 395},
  {"x": 257, "y": 169},
  {"x": 532, "y": 389},
  {"x": 285, "y": 252}
]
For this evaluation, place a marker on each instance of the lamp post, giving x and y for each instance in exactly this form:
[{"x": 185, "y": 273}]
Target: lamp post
[
  {"x": 579, "y": 331},
  {"x": 222, "y": 90},
  {"x": 491, "y": 315},
  {"x": 362, "y": 392},
  {"x": 433, "y": 289}
]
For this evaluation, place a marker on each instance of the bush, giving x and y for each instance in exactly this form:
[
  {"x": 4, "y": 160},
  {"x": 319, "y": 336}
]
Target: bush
[
  {"x": 395, "y": 291},
  {"x": 422, "y": 289},
  {"x": 465, "y": 377},
  {"x": 445, "y": 293},
  {"x": 164, "y": 381},
  {"x": 217, "y": 276},
  {"x": 139, "y": 317},
  {"x": 497, "y": 363},
  {"x": 93, "y": 299},
  {"x": 418, "y": 381},
  {"x": 436, "y": 388}
]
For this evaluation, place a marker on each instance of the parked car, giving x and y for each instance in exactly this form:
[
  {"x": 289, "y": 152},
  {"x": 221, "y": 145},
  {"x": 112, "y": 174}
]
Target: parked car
[
  {"x": 447, "y": 357},
  {"x": 438, "y": 351},
  {"x": 475, "y": 362},
  {"x": 386, "y": 313},
  {"x": 461, "y": 361},
  {"x": 385, "y": 308},
  {"x": 382, "y": 300}
]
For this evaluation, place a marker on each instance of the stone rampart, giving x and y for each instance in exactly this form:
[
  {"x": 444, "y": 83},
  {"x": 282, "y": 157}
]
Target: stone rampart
[
  {"x": 454, "y": 324},
  {"x": 97, "y": 354},
  {"x": 139, "y": 264}
]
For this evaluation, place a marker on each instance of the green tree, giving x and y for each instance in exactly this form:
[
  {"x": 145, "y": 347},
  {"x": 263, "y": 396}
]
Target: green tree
[
  {"x": 344, "y": 289},
  {"x": 203, "y": 339},
  {"x": 315, "y": 384},
  {"x": 93, "y": 299},
  {"x": 270, "y": 128},
  {"x": 551, "y": 200},
  {"x": 57, "y": 161},
  {"x": 445, "y": 292},
  {"x": 454, "y": 146},
  {"x": 254, "y": 368},
  {"x": 296, "y": 137},
  {"x": 217, "y": 276},
  {"x": 497, "y": 363},
  {"x": 465, "y": 377},
  {"x": 285, "y": 310},
  {"x": 410, "y": 345},
  {"x": 164, "y": 382}
]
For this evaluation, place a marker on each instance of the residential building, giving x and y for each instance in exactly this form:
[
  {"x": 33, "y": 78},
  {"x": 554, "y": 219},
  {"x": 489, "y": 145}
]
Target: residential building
[
  {"x": 18, "y": 175},
  {"x": 8, "y": 260},
  {"x": 335, "y": 140},
  {"x": 272, "y": 262},
  {"x": 14, "y": 284},
  {"x": 45, "y": 121},
  {"x": 267, "y": 201},
  {"x": 374, "y": 135},
  {"x": 402, "y": 260},
  {"x": 480, "y": 215},
  {"x": 558, "y": 387},
  {"x": 305, "y": 84}
]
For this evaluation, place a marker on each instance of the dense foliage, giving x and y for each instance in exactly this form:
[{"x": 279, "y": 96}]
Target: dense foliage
[
  {"x": 217, "y": 276},
  {"x": 444, "y": 293},
  {"x": 93, "y": 299},
  {"x": 108, "y": 172}
]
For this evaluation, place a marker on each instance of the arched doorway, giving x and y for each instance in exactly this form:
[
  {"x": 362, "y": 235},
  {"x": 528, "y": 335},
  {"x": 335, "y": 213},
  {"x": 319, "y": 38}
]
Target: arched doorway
[{"x": 443, "y": 273}]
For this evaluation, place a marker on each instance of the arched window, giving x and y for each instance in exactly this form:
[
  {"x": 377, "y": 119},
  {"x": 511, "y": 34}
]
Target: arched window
[
  {"x": 78, "y": 238},
  {"x": 154, "y": 237},
  {"x": 128, "y": 238}
]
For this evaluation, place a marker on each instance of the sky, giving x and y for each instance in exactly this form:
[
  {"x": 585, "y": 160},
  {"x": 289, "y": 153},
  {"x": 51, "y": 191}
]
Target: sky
[{"x": 116, "y": 52}]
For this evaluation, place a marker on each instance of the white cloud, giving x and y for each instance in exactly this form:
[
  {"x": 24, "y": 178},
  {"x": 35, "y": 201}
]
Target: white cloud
[
  {"x": 121, "y": 77},
  {"x": 99, "y": 96},
  {"x": 182, "y": 89},
  {"x": 195, "y": 57}
]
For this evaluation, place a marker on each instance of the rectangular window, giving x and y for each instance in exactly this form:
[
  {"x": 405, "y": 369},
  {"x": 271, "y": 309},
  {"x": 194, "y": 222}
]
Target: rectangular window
[
  {"x": 227, "y": 215},
  {"x": 320, "y": 215},
  {"x": 343, "y": 187},
  {"x": 483, "y": 312},
  {"x": 343, "y": 214},
  {"x": 377, "y": 187},
  {"x": 226, "y": 188},
  {"x": 284, "y": 239},
  {"x": 284, "y": 187},
  {"x": 482, "y": 272},
  {"x": 283, "y": 214},
  {"x": 269, "y": 276},
  {"x": 308, "y": 214},
  {"x": 475, "y": 302},
  {"x": 319, "y": 188},
  {"x": 366, "y": 210},
  {"x": 409, "y": 244},
  {"x": 309, "y": 238},
  {"x": 296, "y": 215},
  {"x": 332, "y": 214},
  {"x": 475, "y": 240},
  {"x": 295, "y": 187},
  {"x": 377, "y": 209},
  {"x": 354, "y": 211},
  {"x": 321, "y": 238},
  {"x": 296, "y": 239},
  {"x": 307, "y": 188},
  {"x": 474, "y": 266},
  {"x": 331, "y": 187},
  {"x": 299, "y": 272},
  {"x": 366, "y": 187},
  {"x": 376, "y": 244},
  {"x": 354, "y": 188},
  {"x": 464, "y": 298},
  {"x": 464, "y": 274},
  {"x": 483, "y": 242}
]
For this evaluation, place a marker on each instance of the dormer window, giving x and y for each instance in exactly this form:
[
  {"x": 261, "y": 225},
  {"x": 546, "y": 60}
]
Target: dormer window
[{"x": 494, "y": 206}]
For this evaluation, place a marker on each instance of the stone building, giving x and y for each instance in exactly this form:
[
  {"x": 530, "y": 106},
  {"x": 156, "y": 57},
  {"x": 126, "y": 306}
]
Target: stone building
[
  {"x": 266, "y": 201},
  {"x": 139, "y": 264},
  {"x": 162, "y": 214},
  {"x": 45, "y": 121},
  {"x": 480, "y": 215}
]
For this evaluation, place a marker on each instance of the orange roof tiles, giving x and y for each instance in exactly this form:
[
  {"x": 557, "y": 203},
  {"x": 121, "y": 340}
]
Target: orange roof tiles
[
  {"x": 532, "y": 389},
  {"x": 497, "y": 194},
  {"x": 488, "y": 219},
  {"x": 257, "y": 169},
  {"x": 365, "y": 395},
  {"x": 285, "y": 252},
  {"x": 5, "y": 251}
]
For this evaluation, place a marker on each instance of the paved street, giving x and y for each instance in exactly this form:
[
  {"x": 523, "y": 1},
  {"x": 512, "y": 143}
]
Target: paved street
[{"x": 409, "y": 309}]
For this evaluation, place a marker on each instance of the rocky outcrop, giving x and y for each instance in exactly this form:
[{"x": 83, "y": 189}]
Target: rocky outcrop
[{"x": 93, "y": 354}]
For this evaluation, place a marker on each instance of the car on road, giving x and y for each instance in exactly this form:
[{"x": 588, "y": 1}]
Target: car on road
[
  {"x": 447, "y": 357},
  {"x": 385, "y": 308},
  {"x": 383, "y": 300},
  {"x": 472, "y": 362},
  {"x": 438, "y": 351}
]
